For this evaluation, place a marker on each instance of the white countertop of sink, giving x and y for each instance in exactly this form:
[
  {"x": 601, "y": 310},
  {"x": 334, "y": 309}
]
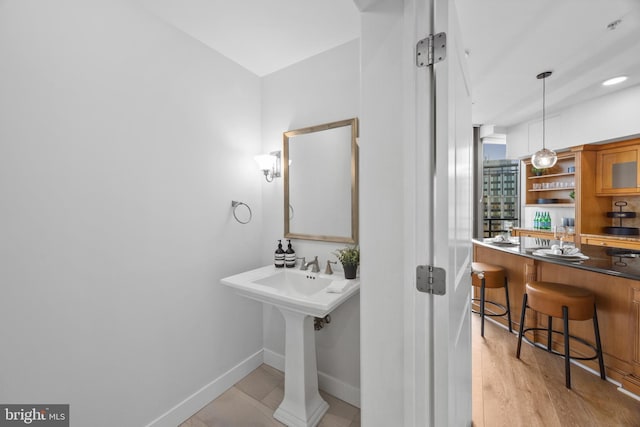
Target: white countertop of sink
[{"x": 304, "y": 292}]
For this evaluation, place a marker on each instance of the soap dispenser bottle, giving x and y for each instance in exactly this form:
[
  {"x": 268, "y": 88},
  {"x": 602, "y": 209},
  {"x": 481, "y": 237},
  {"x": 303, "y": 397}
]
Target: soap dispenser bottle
[
  {"x": 279, "y": 256},
  {"x": 289, "y": 256}
]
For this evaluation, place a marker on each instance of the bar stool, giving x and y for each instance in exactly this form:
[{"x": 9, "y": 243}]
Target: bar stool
[
  {"x": 485, "y": 275},
  {"x": 566, "y": 302}
]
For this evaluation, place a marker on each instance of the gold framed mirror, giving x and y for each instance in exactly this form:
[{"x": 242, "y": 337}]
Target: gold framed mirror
[{"x": 321, "y": 182}]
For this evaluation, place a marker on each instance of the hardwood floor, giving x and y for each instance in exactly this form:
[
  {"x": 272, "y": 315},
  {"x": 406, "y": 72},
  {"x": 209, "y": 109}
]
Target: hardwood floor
[
  {"x": 531, "y": 392},
  {"x": 506, "y": 392}
]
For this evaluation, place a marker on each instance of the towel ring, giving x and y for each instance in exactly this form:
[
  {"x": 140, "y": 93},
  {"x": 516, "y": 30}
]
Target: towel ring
[{"x": 235, "y": 205}]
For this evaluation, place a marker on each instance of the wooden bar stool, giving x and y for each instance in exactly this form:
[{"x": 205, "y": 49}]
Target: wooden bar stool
[
  {"x": 566, "y": 302},
  {"x": 484, "y": 276}
]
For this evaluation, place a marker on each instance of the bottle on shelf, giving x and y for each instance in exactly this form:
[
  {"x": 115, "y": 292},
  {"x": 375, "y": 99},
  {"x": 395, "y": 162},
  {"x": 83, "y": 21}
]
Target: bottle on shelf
[
  {"x": 546, "y": 220},
  {"x": 536, "y": 220},
  {"x": 278, "y": 258}
]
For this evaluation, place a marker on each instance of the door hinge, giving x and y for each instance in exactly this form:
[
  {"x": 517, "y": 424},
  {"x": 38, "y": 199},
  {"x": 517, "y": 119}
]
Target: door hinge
[
  {"x": 431, "y": 50},
  {"x": 430, "y": 279}
]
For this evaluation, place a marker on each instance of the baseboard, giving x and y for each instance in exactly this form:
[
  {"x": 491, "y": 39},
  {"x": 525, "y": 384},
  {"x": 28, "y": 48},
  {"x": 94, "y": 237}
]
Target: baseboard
[
  {"x": 331, "y": 385},
  {"x": 192, "y": 404},
  {"x": 628, "y": 393},
  {"x": 273, "y": 359}
]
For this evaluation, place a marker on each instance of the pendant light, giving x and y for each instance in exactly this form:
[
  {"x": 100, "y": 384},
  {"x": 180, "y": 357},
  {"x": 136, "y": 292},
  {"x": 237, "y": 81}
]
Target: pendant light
[{"x": 544, "y": 158}]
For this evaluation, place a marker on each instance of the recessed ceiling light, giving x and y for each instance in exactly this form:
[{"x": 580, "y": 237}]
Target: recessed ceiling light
[{"x": 614, "y": 81}]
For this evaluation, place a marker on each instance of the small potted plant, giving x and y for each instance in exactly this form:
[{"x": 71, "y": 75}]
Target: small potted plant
[
  {"x": 536, "y": 171},
  {"x": 350, "y": 259}
]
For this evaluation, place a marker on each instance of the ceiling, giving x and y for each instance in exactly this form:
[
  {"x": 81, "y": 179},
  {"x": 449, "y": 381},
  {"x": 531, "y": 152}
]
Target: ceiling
[
  {"x": 511, "y": 42},
  {"x": 263, "y": 35},
  {"x": 508, "y": 44}
]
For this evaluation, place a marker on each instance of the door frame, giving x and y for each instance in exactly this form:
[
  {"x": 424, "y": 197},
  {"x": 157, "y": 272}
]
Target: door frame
[{"x": 395, "y": 351}]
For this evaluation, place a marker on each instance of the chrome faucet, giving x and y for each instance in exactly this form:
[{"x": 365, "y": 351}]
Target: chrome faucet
[
  {"x": 328, "y": 270},
  {"x": 314, "y": 263}
]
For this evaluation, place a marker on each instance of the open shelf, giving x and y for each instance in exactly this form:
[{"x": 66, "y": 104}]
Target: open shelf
[
  {"x": 558, "y": 180},
  {"x": 551, "y": 175},
  {"x": 551, "y": 189},
  {"x": 557, "y": 205}
]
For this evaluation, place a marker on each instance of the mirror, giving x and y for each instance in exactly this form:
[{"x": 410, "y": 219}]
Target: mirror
[{"x": 321, "y": 182}]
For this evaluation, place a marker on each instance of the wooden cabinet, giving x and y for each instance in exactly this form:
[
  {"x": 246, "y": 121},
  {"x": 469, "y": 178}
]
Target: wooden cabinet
[
  {"x": 618, "y": 170},
  {"x": 591, "y": 202},
  {"x": 618, "y": 300},
  {"x": 591, "y": 209},
  {"x": 553, "y": 186},
  {"x": 613, "y": 242},
  {"x": 538, "y": 234}
]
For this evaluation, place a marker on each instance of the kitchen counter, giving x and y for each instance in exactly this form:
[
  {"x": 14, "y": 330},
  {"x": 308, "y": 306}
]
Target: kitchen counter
[
  {"x": 613, "y": 261},
  {"x": 609, "y": 240},
  {"x": 612, "y": 274}
]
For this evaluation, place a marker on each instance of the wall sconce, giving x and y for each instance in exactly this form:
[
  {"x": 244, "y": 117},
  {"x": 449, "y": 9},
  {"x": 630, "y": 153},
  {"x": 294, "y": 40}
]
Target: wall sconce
[{"x": 270, "y": 165}]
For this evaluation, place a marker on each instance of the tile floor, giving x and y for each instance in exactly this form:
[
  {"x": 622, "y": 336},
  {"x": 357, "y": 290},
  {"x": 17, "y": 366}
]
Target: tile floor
[{"x": 252, "y": 401}]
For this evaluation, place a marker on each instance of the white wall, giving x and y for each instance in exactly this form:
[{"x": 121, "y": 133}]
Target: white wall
[
  {"x": 318, "y": 90},
  {"x": 384, "y": 161},
  {"x": 122, "y": 144},
  {"x": 611, "y": 116}
]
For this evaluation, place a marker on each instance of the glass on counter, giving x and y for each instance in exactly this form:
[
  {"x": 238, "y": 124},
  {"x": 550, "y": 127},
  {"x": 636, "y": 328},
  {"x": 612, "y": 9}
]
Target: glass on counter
[{"x": 563, "y": 234}]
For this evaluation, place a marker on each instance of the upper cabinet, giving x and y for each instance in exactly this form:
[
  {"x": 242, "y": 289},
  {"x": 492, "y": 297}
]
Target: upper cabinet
[
  {"x": 618, "y": 169},
  {"x": 525, "y": 139},
  {"x": 603, "y": 118}
]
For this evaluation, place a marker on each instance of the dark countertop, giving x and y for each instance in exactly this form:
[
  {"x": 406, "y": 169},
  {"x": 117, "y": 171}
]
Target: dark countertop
[{"x": 612, "y": 261}]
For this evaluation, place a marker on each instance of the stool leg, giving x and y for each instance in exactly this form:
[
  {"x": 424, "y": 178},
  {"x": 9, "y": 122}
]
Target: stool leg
[
  {"x": 482, "y": 309},
  {"x": 596, "y": 330},
  {"x": 549, "y": 332},
  {"x": 506, "y": 292},
  {"x": 524, "y": 310},
  {"x": 567, "y": 360}
]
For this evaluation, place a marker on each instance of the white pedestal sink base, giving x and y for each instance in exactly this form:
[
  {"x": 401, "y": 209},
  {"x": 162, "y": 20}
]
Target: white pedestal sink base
[
  {"x": 295, "y": 293},
  {"x": 302, "y": 405}
]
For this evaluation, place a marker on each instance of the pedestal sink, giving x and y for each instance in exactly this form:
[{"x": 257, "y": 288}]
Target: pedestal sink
[{"x": 300, "y": 296}]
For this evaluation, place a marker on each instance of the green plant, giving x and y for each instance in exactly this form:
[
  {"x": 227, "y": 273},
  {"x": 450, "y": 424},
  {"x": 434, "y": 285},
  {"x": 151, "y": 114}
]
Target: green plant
[
  {"x": 349, "y": 255},
  {"x": 536, "y": 171},
  {"x": 572, "y": 194}
]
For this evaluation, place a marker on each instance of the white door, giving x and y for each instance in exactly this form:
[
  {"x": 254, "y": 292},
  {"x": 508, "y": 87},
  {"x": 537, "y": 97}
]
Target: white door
[
  {"x": 415, "y": 347},
  {"x": 443, "y": 334},
  {"x": 453, "y": 190}
]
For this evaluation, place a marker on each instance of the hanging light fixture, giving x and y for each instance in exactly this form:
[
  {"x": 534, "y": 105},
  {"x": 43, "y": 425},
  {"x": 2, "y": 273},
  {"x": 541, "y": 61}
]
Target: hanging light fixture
[{"x": 545, "y": 158}]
